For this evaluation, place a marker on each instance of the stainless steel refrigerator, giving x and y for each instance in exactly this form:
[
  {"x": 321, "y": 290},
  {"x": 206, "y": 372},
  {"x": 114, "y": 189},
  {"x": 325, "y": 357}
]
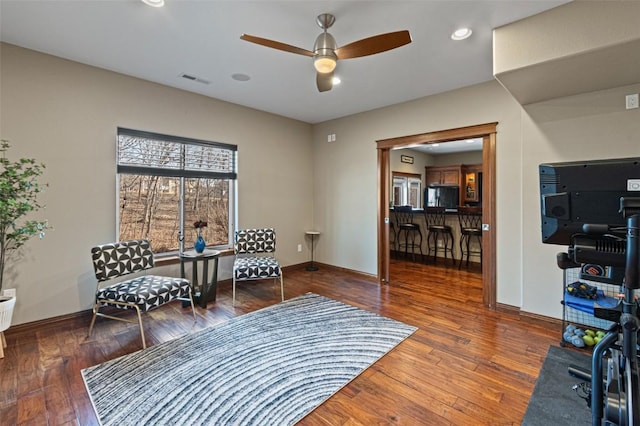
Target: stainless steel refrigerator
[{"x": 446, "y": 196}]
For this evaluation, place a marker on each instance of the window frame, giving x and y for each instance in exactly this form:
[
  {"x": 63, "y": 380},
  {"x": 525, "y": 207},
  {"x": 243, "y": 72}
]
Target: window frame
[
  {"x": 182, "y": 173},
  {"x": 404, "y": 182}
]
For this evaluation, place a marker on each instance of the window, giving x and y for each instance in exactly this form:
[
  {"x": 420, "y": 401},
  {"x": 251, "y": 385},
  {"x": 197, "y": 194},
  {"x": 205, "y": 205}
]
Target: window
[
  {"x": 407, "y": 189},
  {"x": 166, "y": 183}
]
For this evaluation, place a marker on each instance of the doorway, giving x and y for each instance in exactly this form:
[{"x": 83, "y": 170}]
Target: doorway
[{"x": 488, "y": 134}]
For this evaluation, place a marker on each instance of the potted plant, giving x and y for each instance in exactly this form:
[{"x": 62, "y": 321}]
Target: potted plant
[{"x": 19, "y": 189}]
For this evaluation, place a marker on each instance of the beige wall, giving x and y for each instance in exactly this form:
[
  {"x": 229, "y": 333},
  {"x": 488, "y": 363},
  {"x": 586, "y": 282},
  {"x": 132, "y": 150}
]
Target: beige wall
[
  {"x": 346, "y": 173},
  {"x": 580, "y": 26},
  {"x": 582, "y": 46},
  {"x": 65, "y": 114},
  {"x": 420, "y": 160},
  {"x": 468, "y": 158},
  {"x": 594, "y": 125},
  {"x": 583, "y": 127}
]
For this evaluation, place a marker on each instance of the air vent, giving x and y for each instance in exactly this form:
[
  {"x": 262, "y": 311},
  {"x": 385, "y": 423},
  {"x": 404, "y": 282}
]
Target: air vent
[{"x": 194, "y": 78}]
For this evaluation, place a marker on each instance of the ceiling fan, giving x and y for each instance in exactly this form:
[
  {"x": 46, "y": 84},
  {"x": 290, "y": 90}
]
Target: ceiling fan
[{"x": 326, "y": 52}]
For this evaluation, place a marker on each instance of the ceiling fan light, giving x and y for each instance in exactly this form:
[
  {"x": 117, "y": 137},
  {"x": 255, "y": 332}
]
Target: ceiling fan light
[{"x": 324, "y": 64}]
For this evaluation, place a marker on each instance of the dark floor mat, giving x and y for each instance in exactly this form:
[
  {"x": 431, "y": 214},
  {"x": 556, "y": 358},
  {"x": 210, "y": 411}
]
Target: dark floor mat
[{"x": 553, "y": 402}]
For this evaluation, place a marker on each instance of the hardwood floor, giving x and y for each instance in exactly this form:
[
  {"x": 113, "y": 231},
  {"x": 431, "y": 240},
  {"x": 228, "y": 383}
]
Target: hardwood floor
[{"x": 466, "y": 365}]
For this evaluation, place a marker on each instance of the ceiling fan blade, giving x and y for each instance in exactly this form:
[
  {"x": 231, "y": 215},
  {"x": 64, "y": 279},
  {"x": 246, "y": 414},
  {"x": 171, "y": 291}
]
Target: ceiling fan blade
[
  {"x": 324, "y": 81},
  {"x": 375, "y": 44},
  {"x": 276, "y": 45}
]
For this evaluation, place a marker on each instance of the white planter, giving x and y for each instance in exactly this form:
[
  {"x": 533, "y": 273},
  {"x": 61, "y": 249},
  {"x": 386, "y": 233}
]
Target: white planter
[{"x": 6, "y": 312}]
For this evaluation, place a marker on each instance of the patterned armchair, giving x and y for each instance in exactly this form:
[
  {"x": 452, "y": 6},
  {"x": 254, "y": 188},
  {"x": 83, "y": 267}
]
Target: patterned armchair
[
  {"x": 141, "y": 293},
  {"x": 253, "y": 260}
]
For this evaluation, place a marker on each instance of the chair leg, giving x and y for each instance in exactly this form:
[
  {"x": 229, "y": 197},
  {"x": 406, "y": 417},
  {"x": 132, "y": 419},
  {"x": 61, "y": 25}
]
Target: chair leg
[
  {"x": 435, "y": 246},
  {"x": 453, "y": 255},
  {"x": 3, "y": 344},
  {"x": 445, "y": 246},
  {"x": 406, "y": 244},
  {"x": 193, "y": 308},
  {"x": 281, "y": 287},
  {"x": 96, "y": 307},
  {"x": 144, "y": 345},
  {"x": 396, "y": 244},
  {"x": 233, "y": 303},
  {"x": 413, "y": 246}
]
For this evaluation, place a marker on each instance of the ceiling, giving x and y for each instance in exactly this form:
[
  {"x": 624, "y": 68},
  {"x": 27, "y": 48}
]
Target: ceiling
[
  {"x": 450, "y": 147},
  {"x": 202, "y": 39}
]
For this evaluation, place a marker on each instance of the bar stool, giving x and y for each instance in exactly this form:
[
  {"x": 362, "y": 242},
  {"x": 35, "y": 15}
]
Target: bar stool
[
  {"x": 404, "y": 221},
  {"x": 435, "y": 219},
  {"x": 392, "y": 242},
  {"x": 470, "y": 219}
]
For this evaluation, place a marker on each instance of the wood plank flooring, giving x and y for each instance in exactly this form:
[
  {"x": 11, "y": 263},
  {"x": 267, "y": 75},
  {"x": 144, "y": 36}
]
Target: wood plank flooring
[{"x": 466, "y": 365}]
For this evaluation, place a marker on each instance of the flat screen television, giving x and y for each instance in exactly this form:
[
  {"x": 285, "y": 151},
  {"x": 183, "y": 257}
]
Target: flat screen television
[{"x": 585, "y": 192}]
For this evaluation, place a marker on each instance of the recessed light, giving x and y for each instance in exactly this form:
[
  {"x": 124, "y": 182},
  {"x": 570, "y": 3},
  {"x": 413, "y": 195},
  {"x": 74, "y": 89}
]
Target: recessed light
[
  {"x": 153, "y": 3},
  {"x": 461, "y": 34},
  {"x": 240, "y": 77}
]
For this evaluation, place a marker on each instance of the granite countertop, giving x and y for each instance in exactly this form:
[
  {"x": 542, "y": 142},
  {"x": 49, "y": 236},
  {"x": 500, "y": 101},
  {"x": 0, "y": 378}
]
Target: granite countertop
[{"x": 447, "y": 211}]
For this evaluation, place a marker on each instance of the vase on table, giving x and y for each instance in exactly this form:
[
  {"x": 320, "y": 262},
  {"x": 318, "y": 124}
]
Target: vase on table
[{"x": 200, "y": 244}]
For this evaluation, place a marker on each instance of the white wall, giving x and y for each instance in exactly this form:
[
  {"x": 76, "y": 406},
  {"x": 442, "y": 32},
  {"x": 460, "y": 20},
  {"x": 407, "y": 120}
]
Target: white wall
[{"x": 65, "y": 114}]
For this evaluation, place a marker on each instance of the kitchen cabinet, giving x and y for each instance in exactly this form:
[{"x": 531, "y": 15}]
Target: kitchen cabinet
[
  {"x": 443, "y": 175},
  {"x": 471, "y": 191}
]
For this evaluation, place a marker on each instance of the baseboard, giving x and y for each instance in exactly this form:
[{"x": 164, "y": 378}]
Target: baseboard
[
  {"x": 321, "y": 267},
  {"x": 529, "y": 317},
  {"x": 39, "y": 325},
  {"x": 86, "y": 314},
  {"x": 348, "y": 271}
]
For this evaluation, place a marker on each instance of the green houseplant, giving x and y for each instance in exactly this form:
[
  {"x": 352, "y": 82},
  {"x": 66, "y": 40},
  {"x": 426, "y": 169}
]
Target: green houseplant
[{"x": 19, "y": 189}]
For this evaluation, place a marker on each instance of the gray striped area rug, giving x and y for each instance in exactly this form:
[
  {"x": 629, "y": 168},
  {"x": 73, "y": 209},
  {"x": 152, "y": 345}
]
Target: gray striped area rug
[{"x": 268, "y": 367}]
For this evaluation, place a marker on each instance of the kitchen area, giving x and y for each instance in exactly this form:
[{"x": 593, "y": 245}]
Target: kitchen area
[{"x": 429, "y": 176}]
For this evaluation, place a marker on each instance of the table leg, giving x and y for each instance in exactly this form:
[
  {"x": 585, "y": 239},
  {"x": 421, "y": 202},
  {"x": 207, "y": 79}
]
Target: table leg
[
  {"x": 204, "y": 294},
  {"x": 213, "y": 283},
  {"x": 195, "y": 285},
  {"x": 209, "y": 288},
  {"x": 312, "y": 267}
]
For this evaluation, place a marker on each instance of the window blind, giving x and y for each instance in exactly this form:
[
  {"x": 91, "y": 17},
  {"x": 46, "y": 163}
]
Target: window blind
[{"x": 150, "y": 153}]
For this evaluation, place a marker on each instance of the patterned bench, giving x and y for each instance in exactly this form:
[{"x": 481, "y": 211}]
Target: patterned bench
[
  {"x": 141, "y": 293},
  {"x": 248, "y": 243}
]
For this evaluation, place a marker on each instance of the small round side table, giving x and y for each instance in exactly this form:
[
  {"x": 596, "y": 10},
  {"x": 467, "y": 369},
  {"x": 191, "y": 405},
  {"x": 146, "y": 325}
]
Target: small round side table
[
  {"x": 312, "y": 267},
  {"x": 208, "y": 288}
]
